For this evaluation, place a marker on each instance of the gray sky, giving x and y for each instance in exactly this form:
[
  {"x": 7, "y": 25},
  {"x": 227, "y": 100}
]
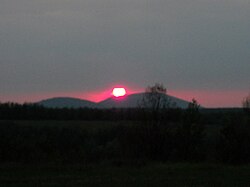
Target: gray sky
[{"x": 53, "y": 46}]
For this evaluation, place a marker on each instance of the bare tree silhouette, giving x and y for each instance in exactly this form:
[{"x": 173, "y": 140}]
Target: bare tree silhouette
[{"x": 246, "y": 104}]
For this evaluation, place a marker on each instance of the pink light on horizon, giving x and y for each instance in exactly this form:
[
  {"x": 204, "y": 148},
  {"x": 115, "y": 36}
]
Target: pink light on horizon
[
  {"x": 35, "y": 97},
  {"x": 207, "y": 98},
  {"x": 212, "y": 98},
  {"x": 94, "y": 96}
]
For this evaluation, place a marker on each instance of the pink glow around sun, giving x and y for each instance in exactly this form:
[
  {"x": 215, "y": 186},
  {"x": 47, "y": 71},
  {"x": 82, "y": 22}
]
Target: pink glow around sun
[
  {"x": 100, "y": 95},
  {"x": 119, "y": 92}
]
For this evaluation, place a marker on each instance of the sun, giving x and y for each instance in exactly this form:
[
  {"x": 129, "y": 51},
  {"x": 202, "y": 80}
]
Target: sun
[{"x": 119, "y": 92}]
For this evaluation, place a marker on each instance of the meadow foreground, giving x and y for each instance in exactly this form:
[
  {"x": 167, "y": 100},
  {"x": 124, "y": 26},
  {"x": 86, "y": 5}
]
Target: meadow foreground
[{"x": 153, "y": 174}]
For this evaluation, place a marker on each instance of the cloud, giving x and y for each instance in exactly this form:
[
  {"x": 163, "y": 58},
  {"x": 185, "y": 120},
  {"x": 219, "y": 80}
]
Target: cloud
[{"x": 54, "y": 45}]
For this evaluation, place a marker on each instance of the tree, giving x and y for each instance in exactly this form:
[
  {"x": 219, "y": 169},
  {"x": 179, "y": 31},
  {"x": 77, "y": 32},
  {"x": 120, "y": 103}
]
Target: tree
[
  {"x": 233, "y": 143},
  {"x": 193, "y": 114},
  {"x": 246, "y": 104},
  {"x": 155, "y": 136},
  {"x": 154, "y": 101},
  {"x": 190, "y": 134}
]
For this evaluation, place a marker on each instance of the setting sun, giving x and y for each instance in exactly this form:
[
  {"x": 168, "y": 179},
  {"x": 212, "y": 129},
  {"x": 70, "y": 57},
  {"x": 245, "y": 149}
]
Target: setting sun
[{"x": 118, "y": 92}]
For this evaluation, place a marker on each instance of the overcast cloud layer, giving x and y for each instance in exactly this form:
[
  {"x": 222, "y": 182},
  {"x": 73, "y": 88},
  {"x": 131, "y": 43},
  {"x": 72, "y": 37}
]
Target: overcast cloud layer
[{"x": 81, "y": 45}]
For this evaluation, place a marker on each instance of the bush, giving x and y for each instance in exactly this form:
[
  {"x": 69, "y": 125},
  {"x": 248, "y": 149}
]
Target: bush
[
  {"x": 233, "y": 145},
  {"x": 34, "y": 144}
]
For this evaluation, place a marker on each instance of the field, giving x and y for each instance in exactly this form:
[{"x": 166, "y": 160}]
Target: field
[
  {"x": 109, "y": 153},
  {"x": 154, "y": 174},
  {"x": 89, "y": 126}
]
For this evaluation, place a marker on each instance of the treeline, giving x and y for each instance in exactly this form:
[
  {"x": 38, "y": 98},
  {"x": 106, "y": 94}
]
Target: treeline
[
  {"x": 160, "y": 135},
  {"x": 27, "y": 111},
  {"x": 14, "y": 111}
]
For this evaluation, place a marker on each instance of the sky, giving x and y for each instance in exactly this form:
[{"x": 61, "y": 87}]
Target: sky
[{"x": 83, "y": 48}]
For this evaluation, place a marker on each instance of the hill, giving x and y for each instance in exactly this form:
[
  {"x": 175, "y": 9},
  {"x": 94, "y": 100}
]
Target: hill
[
  {"x": 129, "y": 101},
  {"x": 67, "y": 102},
  {"x": 133, "y": 100}
]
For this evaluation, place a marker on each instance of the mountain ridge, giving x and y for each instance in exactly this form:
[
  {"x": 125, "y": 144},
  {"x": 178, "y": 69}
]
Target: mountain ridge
[
  {"x": 134, "y": 100},
  {"x": 66, "y": 102},
  {"x": 128, "y": 101}
]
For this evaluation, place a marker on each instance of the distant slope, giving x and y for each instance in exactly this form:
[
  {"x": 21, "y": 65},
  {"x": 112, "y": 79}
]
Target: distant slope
[
  {"x": 129, "y": 101},
  {"x": 132, "y": 101},
  {"x": 67, "y": 102}
]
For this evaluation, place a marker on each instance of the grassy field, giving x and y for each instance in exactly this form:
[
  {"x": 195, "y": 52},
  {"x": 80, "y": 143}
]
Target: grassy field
[
  {"x": 90, "y": 126},
  {"x": 105, "y": 175},
  {"x": 102, "y": 172}
]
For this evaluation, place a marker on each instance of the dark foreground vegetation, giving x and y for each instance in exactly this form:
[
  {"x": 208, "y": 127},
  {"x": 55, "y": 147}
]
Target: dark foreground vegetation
[
  {"x": 133, "y": 135},
  {"x": 123, "y": 147},
  {"x": 154, "y": 174}
]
